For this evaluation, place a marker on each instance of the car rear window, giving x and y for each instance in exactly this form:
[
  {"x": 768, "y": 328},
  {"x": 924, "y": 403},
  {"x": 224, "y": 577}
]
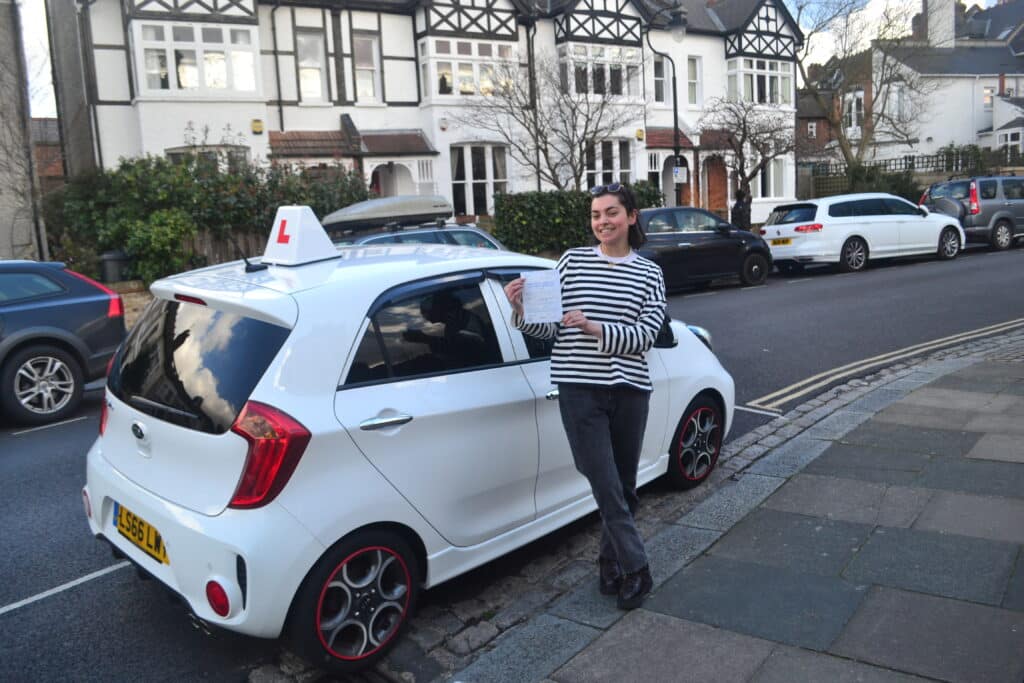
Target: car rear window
[
  {"x": 193, "y": 365},
  {"x": 793, "y": 213},
  {"x": 958, "y": 190}
]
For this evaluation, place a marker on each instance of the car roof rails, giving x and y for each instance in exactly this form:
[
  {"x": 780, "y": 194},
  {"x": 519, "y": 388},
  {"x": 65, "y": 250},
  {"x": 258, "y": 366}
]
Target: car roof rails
[{"x": 390, "y": 213}]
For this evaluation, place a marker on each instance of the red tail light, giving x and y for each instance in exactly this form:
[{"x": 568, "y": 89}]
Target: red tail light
[
  {"x": 923, "y": 199},
  {"x": 763, "y": 231},
  {"x": 190, "y": 299},
  {"x": 276, "y": 443},
  {"x": 218, "y": 598},
  {"x": 810, "y": 227},
  {"x": 115, "y": 309},
  {"x": 104, "y": 414},
  {"x": 975, "y": 208}
]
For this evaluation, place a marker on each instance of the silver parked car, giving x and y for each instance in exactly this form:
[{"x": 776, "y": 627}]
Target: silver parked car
[{"x": 990, "y": 209}]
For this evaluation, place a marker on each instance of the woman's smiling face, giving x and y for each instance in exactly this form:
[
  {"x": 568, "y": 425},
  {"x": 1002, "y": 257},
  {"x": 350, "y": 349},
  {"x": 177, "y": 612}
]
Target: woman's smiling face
[{"x": 610, "y": 222}]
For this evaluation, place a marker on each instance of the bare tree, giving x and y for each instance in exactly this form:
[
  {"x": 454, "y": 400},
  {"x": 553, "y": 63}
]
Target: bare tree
[
  {"x": 756, "y": 134},
  {"x": 866, "y": 89},
  {"x": 549, "y": 129}
]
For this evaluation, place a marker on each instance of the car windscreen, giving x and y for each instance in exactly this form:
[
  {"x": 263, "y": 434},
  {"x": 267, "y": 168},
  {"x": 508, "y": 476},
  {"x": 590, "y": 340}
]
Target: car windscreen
[
  {"x": 192, "y": 365},
  {"x": 792, "y": 213}
]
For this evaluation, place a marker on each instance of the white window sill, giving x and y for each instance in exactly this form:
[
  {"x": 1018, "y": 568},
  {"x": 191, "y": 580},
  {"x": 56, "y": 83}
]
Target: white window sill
[
  {"x": 191, "y": 96},
  {"x": 370, "y": 105},
  {"x": 316, "y": 105}
]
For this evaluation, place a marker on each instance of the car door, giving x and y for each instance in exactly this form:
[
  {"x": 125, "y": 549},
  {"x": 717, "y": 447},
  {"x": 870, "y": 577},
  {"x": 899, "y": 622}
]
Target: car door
[
  {"x": 878, "y": 227},
  {"x": 430, "y": 400},
  {"x": 917, "y": 233},
  {"x": 714, "y": 251},
  {"x": 558, "y": 482},
  {"x": 669, "y": 249},
  {"x": 1013, "y": 193}
]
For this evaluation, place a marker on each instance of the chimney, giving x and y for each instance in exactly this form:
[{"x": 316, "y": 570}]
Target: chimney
[
  {"x": 940, "y": 22},
  {"x": 1002, "y": 84}
]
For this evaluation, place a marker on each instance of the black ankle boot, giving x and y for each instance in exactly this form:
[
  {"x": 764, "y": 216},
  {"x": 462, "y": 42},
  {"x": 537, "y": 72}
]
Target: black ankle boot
[
  {"x": 610, "y": 576},
  {"x": 635, "y": 587}
]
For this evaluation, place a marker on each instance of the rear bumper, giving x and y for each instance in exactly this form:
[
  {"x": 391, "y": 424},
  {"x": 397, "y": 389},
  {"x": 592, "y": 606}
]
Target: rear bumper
[
  {"x": 803, "y": 253},
  {"x": 259, "y": 556}
]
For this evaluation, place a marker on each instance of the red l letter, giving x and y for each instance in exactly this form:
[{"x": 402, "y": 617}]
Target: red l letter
[{"x": 282, "y": 237}]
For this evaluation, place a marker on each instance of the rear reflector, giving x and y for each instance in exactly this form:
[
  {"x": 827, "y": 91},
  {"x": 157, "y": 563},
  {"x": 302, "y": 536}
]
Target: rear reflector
[
  {"x": 115, "y": 309},
  {"x": 218, "y": 598},
  {"x": 276, "y": 443},
  {"x": 86, "y": 504},
  {"x": 812, "y": 227},
  {"x": 104, "y": 414},
  {"x": 189, "y": 299}
]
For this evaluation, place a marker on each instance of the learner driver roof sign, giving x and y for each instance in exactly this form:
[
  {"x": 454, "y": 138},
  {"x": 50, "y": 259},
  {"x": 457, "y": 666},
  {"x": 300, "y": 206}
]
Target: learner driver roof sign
[{"x": 297, "y": 238}]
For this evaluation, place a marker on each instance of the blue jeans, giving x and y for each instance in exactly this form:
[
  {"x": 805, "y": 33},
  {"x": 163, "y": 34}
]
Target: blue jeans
[{"x": 605, "y": 427}]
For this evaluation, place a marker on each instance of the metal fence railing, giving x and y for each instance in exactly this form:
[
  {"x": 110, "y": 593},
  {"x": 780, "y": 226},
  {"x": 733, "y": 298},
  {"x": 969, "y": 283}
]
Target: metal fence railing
[{"x": 956, "y": 161}]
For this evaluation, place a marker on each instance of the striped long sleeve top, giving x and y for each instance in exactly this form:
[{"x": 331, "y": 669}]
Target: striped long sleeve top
[{"x": 627, "y": 298}]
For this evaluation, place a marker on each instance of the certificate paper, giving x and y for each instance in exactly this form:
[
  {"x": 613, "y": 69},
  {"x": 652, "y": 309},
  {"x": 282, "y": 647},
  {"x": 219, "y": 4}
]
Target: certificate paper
[{"x": 542, "y": 297}]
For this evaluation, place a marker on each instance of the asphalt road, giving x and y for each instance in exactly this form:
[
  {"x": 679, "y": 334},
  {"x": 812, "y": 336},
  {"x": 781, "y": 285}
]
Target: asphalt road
[{"x": 116, "y": 627}]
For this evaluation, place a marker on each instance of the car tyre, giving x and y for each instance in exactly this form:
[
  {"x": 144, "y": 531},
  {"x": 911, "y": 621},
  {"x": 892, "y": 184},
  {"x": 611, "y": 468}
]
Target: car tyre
[
  {"x": 696, "y": 444},
  {"x": 354, "y": 603},
  {"x": 40, "y": 384},
  {"x": 755, "y": 270},
  {"x": 949, "y": 244},
  {"x": 1002, "y": 236},
  {"x": 853, "y": 257}
]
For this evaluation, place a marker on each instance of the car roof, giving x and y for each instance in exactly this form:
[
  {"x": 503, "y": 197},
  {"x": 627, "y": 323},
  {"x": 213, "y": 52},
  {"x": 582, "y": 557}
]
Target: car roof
[{"x": 835, "y": 199}]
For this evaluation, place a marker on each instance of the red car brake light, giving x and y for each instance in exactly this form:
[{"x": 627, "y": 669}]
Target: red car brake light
[
  {"x": 975, "y": 207},
  {"x": 810, "y": 227},
  {"x": 115, "y": 309},
  {"x": 276, "y": 443}
]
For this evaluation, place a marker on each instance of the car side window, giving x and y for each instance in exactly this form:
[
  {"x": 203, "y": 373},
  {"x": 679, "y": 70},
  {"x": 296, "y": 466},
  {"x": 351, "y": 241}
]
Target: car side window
[
  {"x": 696, "y": 221},
  {"x": 959, "y": 190},
  {"x": 425, "y": 333},
  {"x": 900, "y": 207},
  {"x": 420, "y": 238},
  {"x": 988, "y": 189},
  {"x": 385, "y": 239},
  {"x": 469, "y": 238},
  {"x": 661, "y": 222},
  {"x": 1013, "y": 188},
  {"x": 18, "y": 286},
  {"x": 841, "y": 210},
  {"x": 869, "y": 207}
]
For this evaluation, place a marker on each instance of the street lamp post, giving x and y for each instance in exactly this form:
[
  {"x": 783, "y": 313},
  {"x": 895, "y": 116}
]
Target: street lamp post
[{"x": 677, "y": 25}]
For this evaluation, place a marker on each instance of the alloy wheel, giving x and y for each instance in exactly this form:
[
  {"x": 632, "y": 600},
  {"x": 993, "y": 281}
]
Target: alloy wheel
[
  {"x": 44, "y": 385},
  {"x": 699, "y": 443},
  {"x": 950, "y": 244},
  {"x": 1002, "y": 237},
  {"x": 855, "y": 255}
]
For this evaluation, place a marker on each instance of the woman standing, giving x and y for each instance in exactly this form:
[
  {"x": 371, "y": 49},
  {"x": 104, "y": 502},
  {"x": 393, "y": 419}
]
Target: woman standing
[{"x": 615, "y": 303}]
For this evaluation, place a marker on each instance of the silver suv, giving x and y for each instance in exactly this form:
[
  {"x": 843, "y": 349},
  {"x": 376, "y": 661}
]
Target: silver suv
[
  {"x": 404, "y": 219},
  {"x": 990, "y": 208}
]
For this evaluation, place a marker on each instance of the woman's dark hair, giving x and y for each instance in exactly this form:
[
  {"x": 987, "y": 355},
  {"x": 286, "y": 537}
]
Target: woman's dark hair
[{"x": 637, "y": 238}]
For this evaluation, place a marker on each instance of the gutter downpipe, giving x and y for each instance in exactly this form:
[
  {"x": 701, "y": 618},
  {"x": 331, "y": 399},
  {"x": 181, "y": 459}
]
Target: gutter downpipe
[
  {"x": 89, "y": 66},
  {"x": 533, "y": 91},
  {"x": 277, "y": 65}
]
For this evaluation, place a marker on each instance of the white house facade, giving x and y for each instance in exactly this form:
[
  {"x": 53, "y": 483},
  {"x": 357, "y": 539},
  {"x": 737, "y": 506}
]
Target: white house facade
[{"x": 377, "y": 85}]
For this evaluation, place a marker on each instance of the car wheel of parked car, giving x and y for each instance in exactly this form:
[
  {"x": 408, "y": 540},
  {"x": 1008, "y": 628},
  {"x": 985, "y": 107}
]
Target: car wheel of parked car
[
  {"x": 696, "y": 444},
  {"x": 949, "y": 244},
  {"x": 1002, "y": 235},
  {"x": 354, "y": 602},
  {"x": 755, "y": 270},
  {"x": 854, "y": 255},
  {"x": 41, "y": 384}
]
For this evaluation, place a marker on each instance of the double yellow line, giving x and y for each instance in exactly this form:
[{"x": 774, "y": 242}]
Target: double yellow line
[{"x": 776, "y": 399}]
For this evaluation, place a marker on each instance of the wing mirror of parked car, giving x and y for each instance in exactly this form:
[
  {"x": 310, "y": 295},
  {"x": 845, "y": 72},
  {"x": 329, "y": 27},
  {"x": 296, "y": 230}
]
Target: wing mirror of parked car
[
  {"x": 923, "y": 210},
  {"x": 725, "y": 227}
]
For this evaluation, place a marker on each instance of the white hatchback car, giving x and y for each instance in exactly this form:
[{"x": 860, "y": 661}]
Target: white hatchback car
[
  {"x": 850, "y": 229},
  {"x": 301, "y": 448}
]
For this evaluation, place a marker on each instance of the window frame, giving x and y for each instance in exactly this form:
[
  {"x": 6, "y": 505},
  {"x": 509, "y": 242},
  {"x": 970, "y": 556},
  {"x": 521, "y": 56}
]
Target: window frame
[
  {"x": 593, "y": 64},
  {"x": 491, "y": 181},
  {"x": 141, "y": 46},
  {"x": 322, "y": 66},
  {"x": 481, "y": 64},
  {"x": 756, "y": 79},
  {"x": 694, "y": 86},
  {"x": 378, "y": 90}
]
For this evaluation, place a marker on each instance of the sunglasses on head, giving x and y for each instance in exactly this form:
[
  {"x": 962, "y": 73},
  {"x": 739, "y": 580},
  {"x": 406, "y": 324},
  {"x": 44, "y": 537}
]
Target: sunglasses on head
[{"x": 603, "y": 189}]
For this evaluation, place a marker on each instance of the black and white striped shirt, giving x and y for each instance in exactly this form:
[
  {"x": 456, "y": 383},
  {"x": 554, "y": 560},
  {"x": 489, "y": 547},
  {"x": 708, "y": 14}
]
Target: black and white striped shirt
[{"x": 628, "y": 300}]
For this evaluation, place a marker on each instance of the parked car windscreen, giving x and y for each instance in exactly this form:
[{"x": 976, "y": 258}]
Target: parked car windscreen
[
  {"x": 792, "y": 213},
  {"x": 192, "y": 365}
]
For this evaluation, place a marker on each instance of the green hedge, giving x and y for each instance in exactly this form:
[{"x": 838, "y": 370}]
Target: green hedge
[
  {"x": 551, "y": 222},
  {"x": 149, "y": 206}
]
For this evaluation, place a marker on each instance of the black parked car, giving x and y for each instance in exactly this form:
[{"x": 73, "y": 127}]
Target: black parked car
[
  {"x": 58, "y": 330},
  {"x": 694, "y": 247}
]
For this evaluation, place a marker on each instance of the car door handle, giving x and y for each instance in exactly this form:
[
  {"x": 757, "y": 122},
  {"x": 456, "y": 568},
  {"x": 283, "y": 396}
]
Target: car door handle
[
  {"x": 552, "y": 395},
  {"x": 383, "y": 422},
  {"x": 685, "y": 244}
]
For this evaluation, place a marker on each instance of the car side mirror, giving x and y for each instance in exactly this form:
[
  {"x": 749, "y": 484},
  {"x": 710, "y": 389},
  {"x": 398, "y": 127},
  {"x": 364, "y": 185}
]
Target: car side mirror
[
  {"x": 923, "y": 210},
  {"x": 725, "y": 227}
]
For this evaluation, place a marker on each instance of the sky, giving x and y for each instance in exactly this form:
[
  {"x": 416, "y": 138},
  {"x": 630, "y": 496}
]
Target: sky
[{"x": 33, "y": 17}]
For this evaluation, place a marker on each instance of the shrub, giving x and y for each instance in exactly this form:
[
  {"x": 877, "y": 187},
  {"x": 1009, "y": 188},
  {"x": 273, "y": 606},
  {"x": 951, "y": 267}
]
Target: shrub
[{"x": 157, "y": 243}]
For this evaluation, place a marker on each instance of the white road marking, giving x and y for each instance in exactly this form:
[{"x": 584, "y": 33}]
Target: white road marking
[
  {"x": 694, "y": 296},
  {"x": 805, "y": 386},
  {"x": 796, "y": 282},
  {"x": 60, "y": 589},
  {"x": 55, "y": 424},
  {"x": 758, "y": 411}
]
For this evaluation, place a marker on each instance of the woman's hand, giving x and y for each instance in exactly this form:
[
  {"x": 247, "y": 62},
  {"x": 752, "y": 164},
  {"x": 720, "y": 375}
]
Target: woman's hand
[
  {"x": 578, "y": 320},
  {"x": 514, "y": 292}
]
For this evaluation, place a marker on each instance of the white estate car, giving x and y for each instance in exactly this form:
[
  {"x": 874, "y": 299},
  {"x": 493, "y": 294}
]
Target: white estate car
[
  {"x": 301, "y": 448},
  {"x": 850, "y": 229}
]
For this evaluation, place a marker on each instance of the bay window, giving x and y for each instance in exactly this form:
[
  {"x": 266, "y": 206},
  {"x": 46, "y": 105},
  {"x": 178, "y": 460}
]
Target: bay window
[
  {"x": 479, "y": 171},
  {"x": 600, "y": 69},
  {"x": 608, "y": 162},
  {"x": 764, "y": 81},
  {"x": 464, "y": 67},
  {"x": 771, "y": 182}
]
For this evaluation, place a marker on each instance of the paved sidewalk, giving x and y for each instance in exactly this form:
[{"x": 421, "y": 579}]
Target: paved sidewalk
[{"x": 884, "y": 542}]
